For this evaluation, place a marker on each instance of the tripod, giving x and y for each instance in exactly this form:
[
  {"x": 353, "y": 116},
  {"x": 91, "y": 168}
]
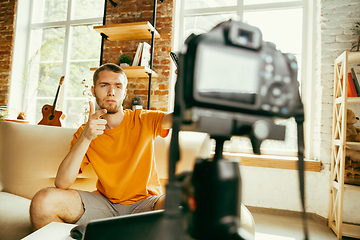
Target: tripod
[{"x": 217, "y": 191}]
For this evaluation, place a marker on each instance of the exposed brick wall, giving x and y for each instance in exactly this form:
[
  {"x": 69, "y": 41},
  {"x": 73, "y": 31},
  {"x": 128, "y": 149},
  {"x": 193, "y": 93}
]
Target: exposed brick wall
[
  {"x": 139, "y": 11},
  {"x": 335, "y": 19},
  {"x": 7, "y": 22},
  {"x": 126, "y": 11}
]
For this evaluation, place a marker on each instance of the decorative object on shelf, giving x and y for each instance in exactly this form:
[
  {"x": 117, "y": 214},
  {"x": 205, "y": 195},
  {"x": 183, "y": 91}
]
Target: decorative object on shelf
[
  {"x": 137, "y": 55},
  {"x": 353, "y": 155},
  {"x": 356, "y": 81},
  {"x": 136, "y": 103},
  {"x": 87, "y": 94},
  {"x": 352, "y": 167},
  {"x": 142, "y": 55},
  {"x": 352, "y": 132},
  {"x": 356, "y": 31},
  {"x": 145, "y": 55},
  {"x": 21, "y": 116},
  {"x": 125, "y": 60},
  {"x": 352, "y": 92}
]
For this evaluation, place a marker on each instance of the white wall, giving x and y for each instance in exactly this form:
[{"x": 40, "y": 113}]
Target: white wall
[
  {"x": 276, "y": 188},
  {"x": 279, "y": 189}
]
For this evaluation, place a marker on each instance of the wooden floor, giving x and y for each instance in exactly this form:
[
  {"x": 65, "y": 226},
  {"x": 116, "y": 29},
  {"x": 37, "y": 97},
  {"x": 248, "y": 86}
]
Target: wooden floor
[{"x": 275, "y": 227}]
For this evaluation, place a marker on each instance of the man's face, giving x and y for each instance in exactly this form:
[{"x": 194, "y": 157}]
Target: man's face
[{"x": 110, "y": 91}]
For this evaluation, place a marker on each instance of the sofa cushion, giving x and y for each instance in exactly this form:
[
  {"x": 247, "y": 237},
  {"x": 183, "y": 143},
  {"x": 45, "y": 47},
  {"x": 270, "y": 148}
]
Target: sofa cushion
[
  {"x": 14, "y": 221},
  {"x": 30, "y": 156}
]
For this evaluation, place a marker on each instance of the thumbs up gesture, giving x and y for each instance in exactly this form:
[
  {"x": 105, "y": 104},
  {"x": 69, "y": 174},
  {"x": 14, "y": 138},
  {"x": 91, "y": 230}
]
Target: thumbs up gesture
[{"x": 95, "y": 126}]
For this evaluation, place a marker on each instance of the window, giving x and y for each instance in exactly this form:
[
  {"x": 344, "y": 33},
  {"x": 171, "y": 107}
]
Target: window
[
  {"x": 60, "y": 42},
  {"x": 283, "y": 22}
]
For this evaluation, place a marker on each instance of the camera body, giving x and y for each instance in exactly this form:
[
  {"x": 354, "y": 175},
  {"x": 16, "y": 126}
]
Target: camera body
[{"x": 232, "y": 69}]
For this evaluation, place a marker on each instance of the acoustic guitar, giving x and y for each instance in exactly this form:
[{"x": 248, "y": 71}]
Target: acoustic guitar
[{"x": 50, "y": 115}]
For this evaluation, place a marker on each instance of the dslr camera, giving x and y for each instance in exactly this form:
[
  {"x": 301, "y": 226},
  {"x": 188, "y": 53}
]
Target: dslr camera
[{"x": 230, "y": 83}]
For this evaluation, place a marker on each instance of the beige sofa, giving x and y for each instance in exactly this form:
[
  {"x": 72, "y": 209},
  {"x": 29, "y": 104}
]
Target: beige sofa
[{"x": 31, "y": 154}]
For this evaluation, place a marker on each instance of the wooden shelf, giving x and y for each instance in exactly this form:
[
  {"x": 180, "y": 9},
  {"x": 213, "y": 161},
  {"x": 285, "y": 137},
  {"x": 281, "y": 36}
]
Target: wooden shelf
[
  {"x": 127, "y": 31},
  {"x": 337, "y": 171},
  {"x": 351, "y": 230},
  {"x": 140, "y": 71},
  {"x": 349, "y": 100},
  {"x": 337, "y": 142},
  {"x": 351, "y": 184},
  {"x": 353, "y": 99},
  {"x": 354, "y": 57},
  {"x": 348, "y": 230},
  {"x": 353, "y": 143},
  {"x": 136, "y": 71}
]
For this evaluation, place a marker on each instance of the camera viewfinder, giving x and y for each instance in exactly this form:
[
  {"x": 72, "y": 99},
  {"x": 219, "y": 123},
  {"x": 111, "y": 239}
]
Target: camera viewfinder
[{"x": 245, "y": 37}]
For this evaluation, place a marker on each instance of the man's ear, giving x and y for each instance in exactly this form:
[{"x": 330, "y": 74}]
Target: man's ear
[
  {"x": 124, "y": 97},
  {"x": 93, "y": 91}
]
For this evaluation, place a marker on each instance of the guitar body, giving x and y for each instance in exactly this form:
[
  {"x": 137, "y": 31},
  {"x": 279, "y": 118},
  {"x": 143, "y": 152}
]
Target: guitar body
[
  {"x": 50, "y": 115},
  {"x": 49, "y": 119}
]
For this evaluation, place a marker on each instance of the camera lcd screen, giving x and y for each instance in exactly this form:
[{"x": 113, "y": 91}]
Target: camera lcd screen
[{"x": 227, "y": 73}]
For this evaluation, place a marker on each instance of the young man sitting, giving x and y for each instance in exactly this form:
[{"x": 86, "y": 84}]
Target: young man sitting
[{"x": 120, "y": 146}]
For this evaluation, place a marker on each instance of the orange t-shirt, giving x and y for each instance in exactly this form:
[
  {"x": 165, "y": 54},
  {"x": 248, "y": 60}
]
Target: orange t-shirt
[{"x": 124, "y": 159}]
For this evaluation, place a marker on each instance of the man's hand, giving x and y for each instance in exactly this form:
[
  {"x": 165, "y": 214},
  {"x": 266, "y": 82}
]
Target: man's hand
[{"x": 95, "y": 126}]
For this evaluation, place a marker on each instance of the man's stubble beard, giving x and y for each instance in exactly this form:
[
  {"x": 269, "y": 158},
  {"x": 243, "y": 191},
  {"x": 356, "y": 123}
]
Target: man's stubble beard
[{"x": 110, "y": 110}]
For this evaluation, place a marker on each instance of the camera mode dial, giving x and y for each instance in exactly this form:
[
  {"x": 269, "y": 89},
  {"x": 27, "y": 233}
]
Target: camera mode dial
[{"x": 277, "y": 94}]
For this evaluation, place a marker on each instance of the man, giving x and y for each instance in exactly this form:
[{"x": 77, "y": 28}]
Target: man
[{"x": 119, "y": 145}]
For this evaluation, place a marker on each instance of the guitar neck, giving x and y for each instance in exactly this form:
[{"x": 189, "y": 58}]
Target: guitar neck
[
  {"x": 57, "y": 94},
  {"x": 55, "y": 100}
]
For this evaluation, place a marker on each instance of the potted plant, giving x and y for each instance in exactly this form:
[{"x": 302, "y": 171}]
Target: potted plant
[
  {"x": 3, "y": 113},
  {"x": 125, "y": 60},
  {"x": 356, "y": 31},
  {"x": 136, "y": 103}
]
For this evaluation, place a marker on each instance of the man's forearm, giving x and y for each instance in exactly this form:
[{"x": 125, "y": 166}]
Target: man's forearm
[{"x": 69, "y": 167}]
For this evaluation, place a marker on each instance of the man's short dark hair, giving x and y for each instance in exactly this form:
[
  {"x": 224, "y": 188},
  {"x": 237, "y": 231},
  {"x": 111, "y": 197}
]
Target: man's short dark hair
[{"x": 109, "y": 67}]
